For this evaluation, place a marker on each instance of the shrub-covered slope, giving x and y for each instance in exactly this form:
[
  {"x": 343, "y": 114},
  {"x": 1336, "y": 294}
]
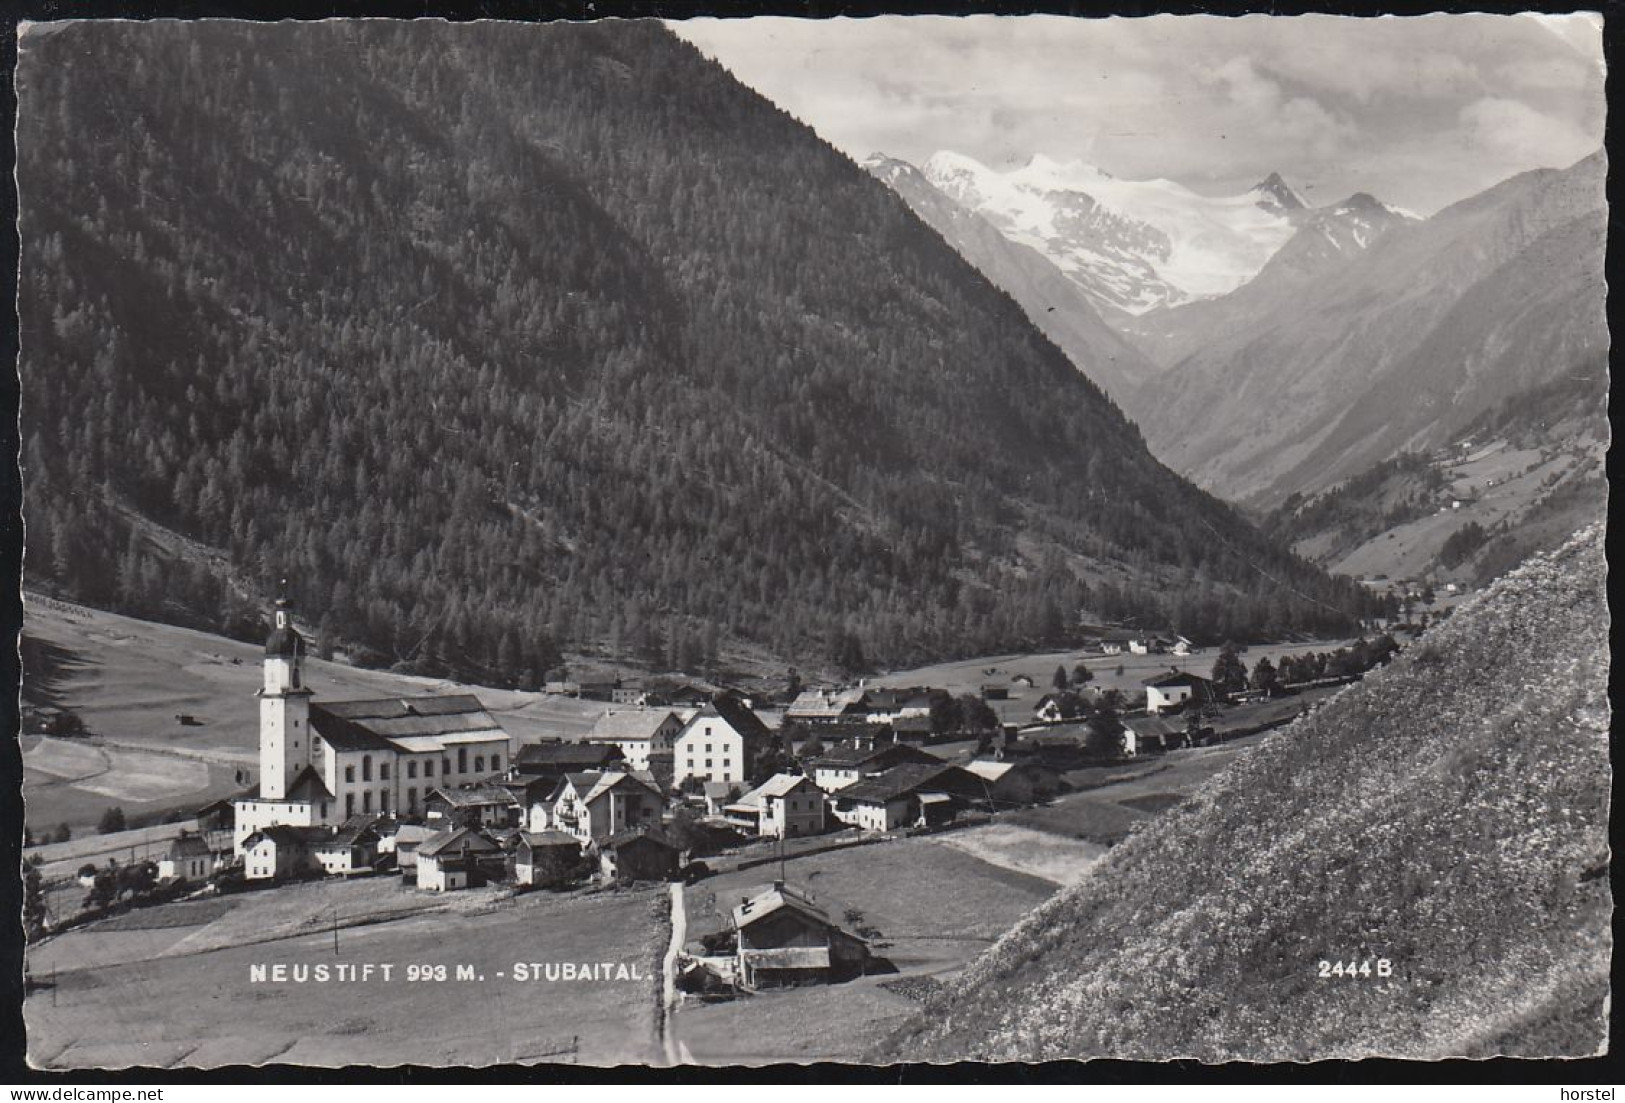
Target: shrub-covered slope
[
  {"x": 1449, "y": 815},
  {"x": 492, "y": 335}
]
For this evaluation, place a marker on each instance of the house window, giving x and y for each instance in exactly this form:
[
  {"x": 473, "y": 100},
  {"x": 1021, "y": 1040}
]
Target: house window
[
  {"x": 411, "y": 768},
  {"x": 479, "y": 764},
  {"x": 496, "y": 762},
  {"x": 349, "y": 774},
  {"x": 428, "y": 767},
  {"x": 462, "y": 760},
  {"x": 708, "y": 764},
  {"x": 383, "y": 801},
  {"x": 708, "y": 748},
  {"x": 349, "y": 805},
  {"x": 383, "y": 771},
  {"x": 445, "y": 765},
  {"x": 366, "y": 767},
  {"x": 324, "y": 809},
  {"x": 412, "y": 800},
  {"x": 366, "y": 801}
]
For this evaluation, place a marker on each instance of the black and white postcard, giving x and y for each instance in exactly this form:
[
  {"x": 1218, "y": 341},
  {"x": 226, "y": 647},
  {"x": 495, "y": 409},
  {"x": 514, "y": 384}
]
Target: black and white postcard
[{"x": 748, "y": 541}]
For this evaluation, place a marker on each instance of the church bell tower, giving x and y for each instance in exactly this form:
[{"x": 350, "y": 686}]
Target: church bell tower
[{"x": 284, "y": 707}]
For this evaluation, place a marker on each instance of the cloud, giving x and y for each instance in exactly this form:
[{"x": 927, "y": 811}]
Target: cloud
[
  {"x": 1335, "y": 104},
  {"x": 1517, "y": 134}
]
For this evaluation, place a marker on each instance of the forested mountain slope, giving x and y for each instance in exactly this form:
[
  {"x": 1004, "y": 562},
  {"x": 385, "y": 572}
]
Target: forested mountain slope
[
  {"x": 494, "y": 339},
  {"x": 1398, "y": 349},
  {"x": 1448, "y": 815}
]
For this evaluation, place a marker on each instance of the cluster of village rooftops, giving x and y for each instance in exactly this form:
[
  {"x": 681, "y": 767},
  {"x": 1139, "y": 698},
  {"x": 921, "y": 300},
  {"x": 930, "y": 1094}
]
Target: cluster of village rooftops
[{"x": 432, "y": 786}]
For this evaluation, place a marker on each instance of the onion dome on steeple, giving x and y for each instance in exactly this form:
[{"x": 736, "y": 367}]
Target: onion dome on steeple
[{"x": 284, "y": 640}]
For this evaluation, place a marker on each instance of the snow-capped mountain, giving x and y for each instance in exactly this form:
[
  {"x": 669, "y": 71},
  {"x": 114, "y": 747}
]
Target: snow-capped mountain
[
  {"x": 1056, "y": 305},
  {"x": 1131, "y": 245},
  {"x": 1326, "y": 239}
]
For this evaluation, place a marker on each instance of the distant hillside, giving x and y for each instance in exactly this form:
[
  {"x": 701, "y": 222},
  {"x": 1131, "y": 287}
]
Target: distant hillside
[
  {"x": 1523, "y": 478},
  {"x": 1449, "y": 815},
  {"x": 1326, "y": 239},
  {"x": 1056, "y": 305},
  {"x": 500, "y": 339},
  {"x": 1397, "y": 350}
]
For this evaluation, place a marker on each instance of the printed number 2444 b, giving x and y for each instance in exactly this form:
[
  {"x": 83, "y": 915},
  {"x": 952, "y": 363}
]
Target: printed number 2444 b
[{"x": 1370, "y": 967}]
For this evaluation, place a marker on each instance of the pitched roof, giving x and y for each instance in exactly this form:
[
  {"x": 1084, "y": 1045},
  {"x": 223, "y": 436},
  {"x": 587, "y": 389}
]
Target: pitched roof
[
  {"x": 548, "y": 838},
  {"x": 283, "y": 835},
  {"x": 351, "y": 831},
  {"x": 764, "y": 904},
  {"x": 1143, "y": 726},
  {"x": 741, "y": 719},
  {"x": 776, "y": 786},
  {"x": 629, "y": 835},
  {"x": 910, "y": 777},
  {"x": 308, "y": 786},
  {"x": 567, "y": 755},
  {"x": 847, "y": 757},
  {"x": 373, "y": 725},
  {"x": 626, "y": 724},
  {"x": 456, "y": 840},
  {"x": 819, "y": 702},
  {"x": 476, "y": 796},
  {"x": 187, "y": 846},
  {"x": 989, "y": 771},
  {"x": 1176, "y": 678}
]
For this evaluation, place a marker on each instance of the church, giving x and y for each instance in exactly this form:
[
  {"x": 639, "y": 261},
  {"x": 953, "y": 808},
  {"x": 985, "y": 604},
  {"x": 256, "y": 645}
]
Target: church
[{"x": 321, "y": 764}]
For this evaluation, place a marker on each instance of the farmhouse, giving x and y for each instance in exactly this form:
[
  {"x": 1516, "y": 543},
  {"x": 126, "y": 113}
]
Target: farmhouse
[
  {"x": 824, "y": 706},
  {"x": 403, "y": 842},
  {"x": 785, "y": 938},
  {"x": 638, "y": 733},
  {"x": 187, "y": 859},
  {"x": 888, "y": 706},
  {"x": 351, "y": 848},
  {"x": 278, "y": 852},
  {"x": 784, "y": 805},
  {"x": 1150, "y": 734},
  {"x": 474, "y": 806},
  {"x": 594, "y": 806},
  {"x": 638, "y": 854},
  {"x": 321, "y": 764},
  {"x": 844, "y": 765},
  {"x": 1054, "y": 708},
  {"x": 1014, "y": 783},
  {"x": 449, "y": 860},
  {"x": 554, "y": 758},
  {"x": 908, "y": 795},
  {"x": 719, "y": 743},
  {"x": 1168, "y": 691},
  {"x": 545, "y": 858}
]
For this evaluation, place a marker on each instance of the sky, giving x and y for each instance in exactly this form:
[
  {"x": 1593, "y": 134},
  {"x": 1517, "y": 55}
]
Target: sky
[{"x": 1418, "y": 111}]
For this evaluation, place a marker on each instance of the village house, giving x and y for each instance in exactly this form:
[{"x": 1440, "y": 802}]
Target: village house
[
  {"x": 490, "y": 806},
  {"x": 1054, "y": 708},
  {"x": 321, "y": 764},
  {"x": 718, "y": 795},
  {"x": 909, "y": 795},
  {"x": 216, "y": 823},
  {"x": 278, "y": 852},
  {"x": 450, "y": 860},
  {"x": 594, "y": 806},
  {"x": 784, "y": 938},
  {"x": 888, "y": 706},
  {"x": 719, "y": 743},
  {"x": 1013, "y": 783},
  {"x": 187, "y": 859},
  {"x": 826, "y": 706},
  {"x": 638, "y": 854},
  {"x": 545, "y": 858},
  {"x": 639, "y": 734},
  {"x": 1172, "y": 690},
  {"x": 403, "y": 842},
  {"x": 783, "y": 806},
  {"x": 844, "y": 765},
  {"x": 1144, "y": 735},
  {"x": 351, "y": 848}
]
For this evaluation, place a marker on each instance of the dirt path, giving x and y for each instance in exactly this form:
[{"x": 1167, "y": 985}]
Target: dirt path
[{"x": 676, "y": 1052}]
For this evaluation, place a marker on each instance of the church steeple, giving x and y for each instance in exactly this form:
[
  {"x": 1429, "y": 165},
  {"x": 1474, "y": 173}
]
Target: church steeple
[{"x": 284, "y": 706}]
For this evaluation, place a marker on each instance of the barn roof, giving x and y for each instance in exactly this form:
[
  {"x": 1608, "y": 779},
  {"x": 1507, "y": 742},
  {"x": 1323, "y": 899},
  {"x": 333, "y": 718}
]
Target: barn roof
[{"x": 626, "y": 724}]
